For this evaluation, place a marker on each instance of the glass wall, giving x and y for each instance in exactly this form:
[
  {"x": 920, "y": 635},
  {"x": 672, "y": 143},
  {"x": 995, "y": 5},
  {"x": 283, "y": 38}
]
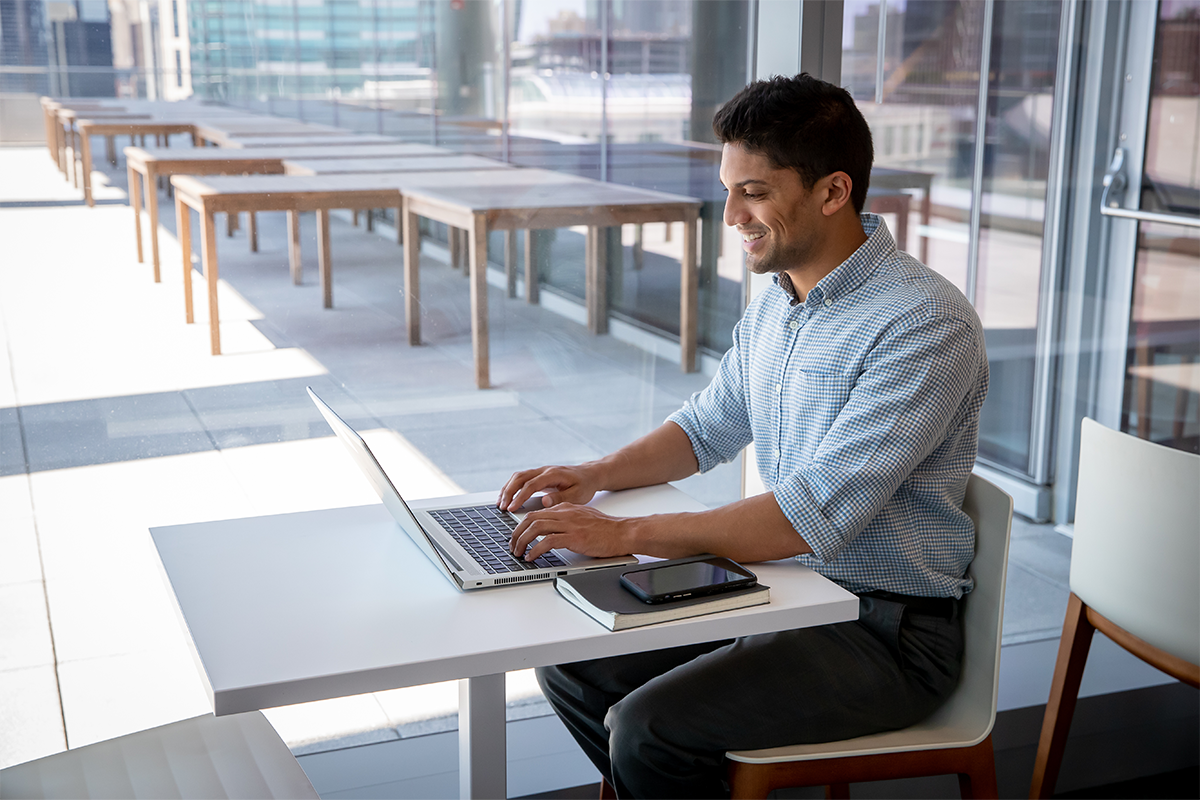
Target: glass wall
[
  {"x": 972, "y": 212},
  {"x": 1163, "y": 377}
]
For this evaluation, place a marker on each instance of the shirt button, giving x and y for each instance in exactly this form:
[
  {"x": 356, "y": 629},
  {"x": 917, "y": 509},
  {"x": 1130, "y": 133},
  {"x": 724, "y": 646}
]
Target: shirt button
[
  {"x": 775, "y": 452},
  {"x": 779, "y": 387},
  {"x": 794, "y": 325},
  {"x": 828, "y": 302}
]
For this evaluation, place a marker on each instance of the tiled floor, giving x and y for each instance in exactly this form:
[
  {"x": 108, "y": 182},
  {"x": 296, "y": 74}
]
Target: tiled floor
[{"x": 114, "y": 419}]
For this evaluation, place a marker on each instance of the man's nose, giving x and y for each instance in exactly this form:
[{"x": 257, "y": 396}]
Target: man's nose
[{"x": 735, "y": 211}]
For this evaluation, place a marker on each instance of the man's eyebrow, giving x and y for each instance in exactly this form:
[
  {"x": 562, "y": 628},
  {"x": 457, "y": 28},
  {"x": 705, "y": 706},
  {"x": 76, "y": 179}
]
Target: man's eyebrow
[{"x": 747, "y": 182}]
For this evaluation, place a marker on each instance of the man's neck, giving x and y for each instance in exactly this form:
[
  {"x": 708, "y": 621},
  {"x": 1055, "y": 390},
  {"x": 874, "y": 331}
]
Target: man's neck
[{"x": 843, "y": 241}]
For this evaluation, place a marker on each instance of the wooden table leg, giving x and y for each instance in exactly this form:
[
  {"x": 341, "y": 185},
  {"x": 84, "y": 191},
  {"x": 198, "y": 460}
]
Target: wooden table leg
[
  {"x": 400, "y": 225},
  {"x": 455, "y": 242},
  {"x": 464, "y": 247},
  {"x": 231, "y": 223},
  {"x": 293, "y": 224},
  {"x": 324, "y": 253},
  {"x": 510, "y": 262},
  {"x": 689, "y": 298},
  {"x": 595, "y": 281},
  {"x": 74, "y": 139},
  {"x": 531, "y": 273},
  {"x": 110, "y": 149},
  {"x": 252, "y": 230},
  {"x": 152, "y": 207},
  {"x": 135, "y": 203},
  {"x": 183, "y": 217},
  {"x": 412, "y": 275},
  {"x": 639, "y": 247},
  {"x": 926, "y": 209},
  {"x": 370, "y": 212},
  {"x": 85, "y": 149},
  {"x": 479, "y": 304},
  {"x": 208, "y": 262}
]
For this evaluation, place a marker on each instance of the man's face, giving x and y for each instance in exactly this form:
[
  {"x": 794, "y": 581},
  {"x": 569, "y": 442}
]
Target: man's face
[{"x": 778, "y": 219}]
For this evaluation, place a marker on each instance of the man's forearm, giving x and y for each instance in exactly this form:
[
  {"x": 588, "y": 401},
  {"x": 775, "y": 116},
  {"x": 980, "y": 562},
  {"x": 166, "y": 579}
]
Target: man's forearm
[
  {"x": 754, "y": 529},
  {"x": 665, "y": 454}
]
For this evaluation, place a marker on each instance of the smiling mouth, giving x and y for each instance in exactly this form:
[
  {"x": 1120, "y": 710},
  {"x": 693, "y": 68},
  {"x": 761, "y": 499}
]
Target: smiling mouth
[{"x": 753, "y": 237}]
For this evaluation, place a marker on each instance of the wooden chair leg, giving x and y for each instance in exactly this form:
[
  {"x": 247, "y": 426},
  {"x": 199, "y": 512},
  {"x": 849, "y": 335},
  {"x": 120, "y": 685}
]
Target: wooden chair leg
[
  {"x": 1064, "y": 691},
  {"x": 978, "y": 780},
  {"x": 837, "y": 791},
  {"x": 749, "y": 781},
  {"x": 606, "y": 790}
]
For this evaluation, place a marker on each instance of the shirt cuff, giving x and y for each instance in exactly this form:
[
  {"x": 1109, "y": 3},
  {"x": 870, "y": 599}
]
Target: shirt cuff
[{"x": 802, "y": 511}]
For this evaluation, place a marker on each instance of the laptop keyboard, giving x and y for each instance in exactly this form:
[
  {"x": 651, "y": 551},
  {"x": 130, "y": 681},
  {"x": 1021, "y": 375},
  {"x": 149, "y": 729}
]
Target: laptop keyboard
[{"x": 484, "y": 532}]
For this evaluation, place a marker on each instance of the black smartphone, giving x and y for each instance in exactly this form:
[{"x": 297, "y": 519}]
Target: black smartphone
[{"x": 659, "y": 583}]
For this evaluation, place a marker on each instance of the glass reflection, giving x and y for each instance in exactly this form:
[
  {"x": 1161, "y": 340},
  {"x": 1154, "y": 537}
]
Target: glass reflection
[{"x": 1162, "y": 387}]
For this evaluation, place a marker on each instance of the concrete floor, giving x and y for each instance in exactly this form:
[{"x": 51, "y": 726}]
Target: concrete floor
[{"x": 114, "y": 419}]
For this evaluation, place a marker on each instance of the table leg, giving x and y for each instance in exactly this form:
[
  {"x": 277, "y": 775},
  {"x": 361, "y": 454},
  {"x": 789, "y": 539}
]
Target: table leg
[
  {"x": 208, "y": 262},
  {"x": 183, "y": 217},
  {"x": 689, "y": 298},
  {"x": 354, "y": 215},
  {"x": 595, "y": 281},
  {"x": 455, "y": 242},
  {"x": 412, "y": 274},
  {"x": 110, "y": 149},
  {"x": 135, "y": 203},
  {"x": 464, "y": 247},
  {"x": 400, "y": 225},
  {"x": 531, "y": 275},
  {"x": 252, "y": 230},
  {"x": 293, "y": 224},
  {"x": 324, "y": 253},
  {"x": 510, "y": 262},
  {"x": 639, "y": 247},
  {"x": 85, "y": 149},
  {"x": 231, "y": 223},
  {"x": 926, "y": 209},
  {"x": 74, "y": 139},
  {"x": 479, "y": 304},
  {"x": 152, "y": 207},
  {"x": 370, "y": 212},
  {"x": 482, "y": 749}
]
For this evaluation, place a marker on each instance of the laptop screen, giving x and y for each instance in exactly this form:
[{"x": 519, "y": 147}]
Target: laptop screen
[{"x": 382, "y": 484}]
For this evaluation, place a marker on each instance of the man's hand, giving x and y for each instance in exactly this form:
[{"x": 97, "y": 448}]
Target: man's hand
[
  {"x": 582, "y": 529},
  {"x": 567, "y": 485}
]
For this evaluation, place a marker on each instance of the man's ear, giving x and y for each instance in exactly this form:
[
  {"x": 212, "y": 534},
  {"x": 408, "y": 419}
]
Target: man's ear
[{"x": 837, "y": 192}]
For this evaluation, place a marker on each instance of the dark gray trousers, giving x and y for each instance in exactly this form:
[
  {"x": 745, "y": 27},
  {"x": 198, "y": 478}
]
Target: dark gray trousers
[{"x": 657, "y": 724}]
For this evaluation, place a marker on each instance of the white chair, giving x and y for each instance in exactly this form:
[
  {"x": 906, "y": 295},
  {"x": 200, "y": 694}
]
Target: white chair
[
  {"x": 1135, "y": 572},
  {"x": 956, "y": 739},
  {"x": 240, "y": 755}
]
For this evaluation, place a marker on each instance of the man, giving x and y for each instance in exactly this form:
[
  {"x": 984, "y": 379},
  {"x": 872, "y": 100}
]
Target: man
[{"x": 859, "y": 376}]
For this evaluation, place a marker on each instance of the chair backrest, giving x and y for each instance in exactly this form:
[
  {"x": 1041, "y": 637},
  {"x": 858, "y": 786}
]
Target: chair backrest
[
  {"x": 972, "y": 706},
  {"x": 1136, "y": 555}
]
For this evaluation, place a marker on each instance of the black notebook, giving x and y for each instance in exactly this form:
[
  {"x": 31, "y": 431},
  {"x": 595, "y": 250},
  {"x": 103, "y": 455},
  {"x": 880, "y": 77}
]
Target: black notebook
[{"x": 599, "y": 594}]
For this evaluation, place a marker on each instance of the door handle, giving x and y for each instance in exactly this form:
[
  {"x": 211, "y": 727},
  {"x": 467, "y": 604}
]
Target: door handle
[{"x": 1115, "y": 184}]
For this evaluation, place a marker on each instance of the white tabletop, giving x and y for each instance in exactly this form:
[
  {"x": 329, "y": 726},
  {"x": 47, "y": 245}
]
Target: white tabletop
[{"x": 297, "y": 607}]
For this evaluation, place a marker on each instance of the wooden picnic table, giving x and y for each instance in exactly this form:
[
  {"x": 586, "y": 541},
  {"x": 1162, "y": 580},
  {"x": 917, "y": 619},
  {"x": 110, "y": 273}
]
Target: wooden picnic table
[
  {"x": 100, "y": 127},
  {"x": 229, "y": 194},
  {"x": 318, "y": 164},
  {"x": 339, "y": 140},
  {"x": 221, "y": 131},
  {"x": 148, "y": 164},
  {"x": 497, "y": 203}
]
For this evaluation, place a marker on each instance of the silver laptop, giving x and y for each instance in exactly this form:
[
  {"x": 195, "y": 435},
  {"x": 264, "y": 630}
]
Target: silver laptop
[{"x": 467, "y": 541}]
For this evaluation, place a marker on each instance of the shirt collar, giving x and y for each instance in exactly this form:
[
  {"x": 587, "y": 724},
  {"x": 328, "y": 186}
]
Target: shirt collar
[{"x": 851, "y": 273}]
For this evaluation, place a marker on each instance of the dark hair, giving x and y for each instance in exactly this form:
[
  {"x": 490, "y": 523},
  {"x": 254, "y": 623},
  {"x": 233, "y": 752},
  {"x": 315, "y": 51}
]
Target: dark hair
[{"x": 801, "y": 123}]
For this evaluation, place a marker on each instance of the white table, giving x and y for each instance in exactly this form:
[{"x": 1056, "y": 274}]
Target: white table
[{"x": 298, "y": 607}]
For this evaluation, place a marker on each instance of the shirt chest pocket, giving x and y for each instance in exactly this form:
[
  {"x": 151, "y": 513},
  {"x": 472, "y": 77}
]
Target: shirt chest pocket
[{"x": 820, "y": 397}]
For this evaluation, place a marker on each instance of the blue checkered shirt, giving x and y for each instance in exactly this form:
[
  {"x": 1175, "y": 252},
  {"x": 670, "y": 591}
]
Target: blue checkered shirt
[{"x": 863, "y": 404}]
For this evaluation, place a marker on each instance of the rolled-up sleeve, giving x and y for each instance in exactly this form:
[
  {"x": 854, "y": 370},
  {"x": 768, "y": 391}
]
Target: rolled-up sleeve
[{"x": 915, "y": 395}]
